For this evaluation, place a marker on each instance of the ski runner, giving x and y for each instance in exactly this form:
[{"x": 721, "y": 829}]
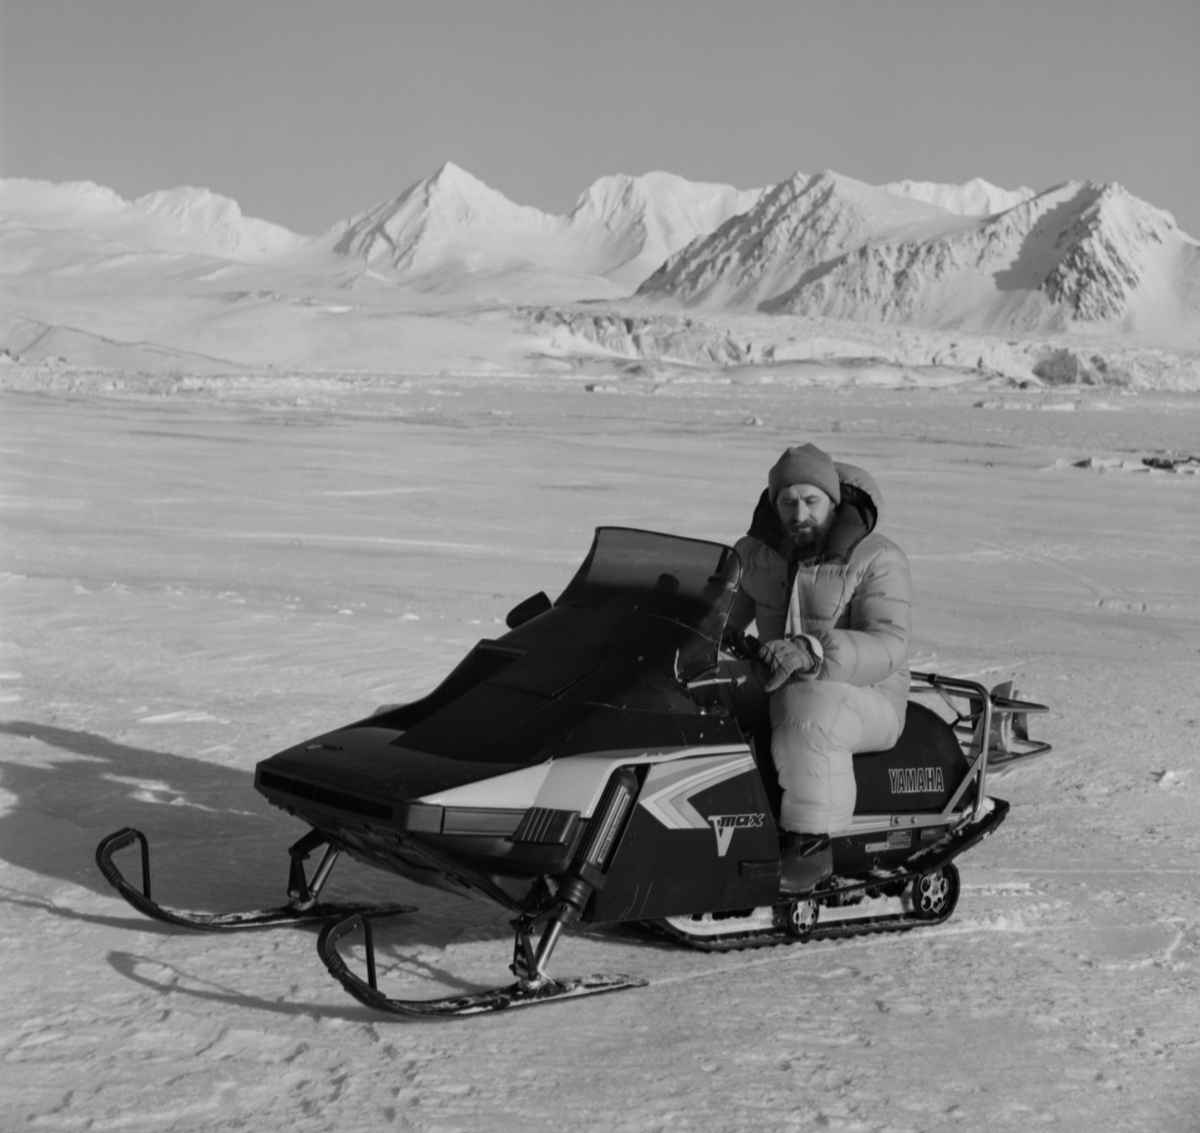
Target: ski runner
[{"x": 831, "y": 599}]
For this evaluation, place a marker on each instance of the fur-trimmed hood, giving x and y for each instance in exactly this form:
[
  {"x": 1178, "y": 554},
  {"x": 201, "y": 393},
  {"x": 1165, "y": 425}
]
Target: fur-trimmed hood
[
  {"x": 857, "y": 516},
  {"x": 856, "y": 599}
]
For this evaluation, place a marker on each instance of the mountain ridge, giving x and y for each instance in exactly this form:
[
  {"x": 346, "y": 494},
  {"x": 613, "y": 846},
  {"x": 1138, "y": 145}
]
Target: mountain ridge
[
  {"x": 181, "y": 220},
  {"x": 1078, "y": 255},
  {"x": 1075, "y": 257},
  {"x": 620, "y": 228}
]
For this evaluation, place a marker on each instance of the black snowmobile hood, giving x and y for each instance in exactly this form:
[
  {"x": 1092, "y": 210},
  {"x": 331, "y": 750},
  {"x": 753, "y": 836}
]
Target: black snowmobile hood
[
  {"x": 603, "y": 669},
  {"x": 857, "y": 516}
]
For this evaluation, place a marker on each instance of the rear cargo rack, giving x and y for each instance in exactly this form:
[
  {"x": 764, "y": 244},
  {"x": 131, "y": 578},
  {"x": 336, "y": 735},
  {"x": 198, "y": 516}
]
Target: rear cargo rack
[{"x": 992, "y": 728}]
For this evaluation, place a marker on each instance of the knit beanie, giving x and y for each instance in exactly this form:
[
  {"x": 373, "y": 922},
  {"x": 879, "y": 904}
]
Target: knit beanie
[{"x": 805, "y": 464}]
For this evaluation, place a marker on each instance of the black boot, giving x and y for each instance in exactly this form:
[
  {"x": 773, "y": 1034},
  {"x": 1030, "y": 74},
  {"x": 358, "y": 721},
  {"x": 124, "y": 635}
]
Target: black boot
[{"x": 807, "y": 861}]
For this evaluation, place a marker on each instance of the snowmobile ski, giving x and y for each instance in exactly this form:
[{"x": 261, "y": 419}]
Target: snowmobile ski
[
  {"x": 523, "y": 993},
  {"x": 303, "y": 907}
]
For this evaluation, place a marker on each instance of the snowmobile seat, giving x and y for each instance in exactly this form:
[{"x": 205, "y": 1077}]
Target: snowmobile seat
[
  {"x": 925, "y": 765},
  {"x": 921, "y": 772}
]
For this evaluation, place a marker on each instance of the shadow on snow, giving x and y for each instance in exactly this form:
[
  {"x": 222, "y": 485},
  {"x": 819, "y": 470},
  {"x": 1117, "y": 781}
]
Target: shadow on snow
[{"x": 215, "y": 843}]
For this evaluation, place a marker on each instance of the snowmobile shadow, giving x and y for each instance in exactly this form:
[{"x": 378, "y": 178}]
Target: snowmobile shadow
[
  {"x": 66, "y": 805},
  {"x": 408, "y": 975},
  {"x": 127, "y": 964},
  {"x": 21, "y": 900},
  {"x": 632, "y": 934},
  {"x": 215, "y": 842}
]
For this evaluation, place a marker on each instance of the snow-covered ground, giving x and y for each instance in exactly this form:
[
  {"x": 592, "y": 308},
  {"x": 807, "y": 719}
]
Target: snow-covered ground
[
  {"x": 252, "y": 487},
  {"x": 202, "y": 568}
]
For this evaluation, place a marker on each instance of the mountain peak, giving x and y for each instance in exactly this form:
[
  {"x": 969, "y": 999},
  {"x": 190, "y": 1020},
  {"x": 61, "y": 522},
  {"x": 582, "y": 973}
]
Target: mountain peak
[
  {"x": 1079, "y": 255},
  {"x": 451, "y": 178},
  {"x": 621, "y": 227},
  {"x": 449, "y": 170},
  {"x": 794, "y": 226},
  {"x": 1108, "y": 251}
]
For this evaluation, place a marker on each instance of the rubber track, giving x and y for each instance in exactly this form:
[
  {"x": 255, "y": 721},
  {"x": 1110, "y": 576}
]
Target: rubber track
[{"x": 771, "y": 938}]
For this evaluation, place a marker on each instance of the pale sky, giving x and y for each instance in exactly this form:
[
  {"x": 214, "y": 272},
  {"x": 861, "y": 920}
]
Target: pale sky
[{"x": 308, "y": 112}]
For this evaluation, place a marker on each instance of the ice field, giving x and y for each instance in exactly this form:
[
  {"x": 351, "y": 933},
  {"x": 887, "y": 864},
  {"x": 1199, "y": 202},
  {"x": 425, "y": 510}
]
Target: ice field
[{"x": 198, "y": 575}]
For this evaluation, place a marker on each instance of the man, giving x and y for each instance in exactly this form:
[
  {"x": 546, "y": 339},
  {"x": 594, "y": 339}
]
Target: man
[{"x": 831, "y": 599}]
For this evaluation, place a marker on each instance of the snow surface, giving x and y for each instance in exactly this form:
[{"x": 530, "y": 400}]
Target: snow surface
[
  {"x": 245, "y": 500},
  {"x": 201, "y": 571}
]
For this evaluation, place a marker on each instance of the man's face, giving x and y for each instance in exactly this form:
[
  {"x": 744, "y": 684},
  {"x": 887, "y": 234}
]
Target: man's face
[{"x": 807, "y": 514}]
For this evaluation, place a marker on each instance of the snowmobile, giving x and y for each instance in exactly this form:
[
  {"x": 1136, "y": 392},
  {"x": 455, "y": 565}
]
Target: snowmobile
[{"x": 607, "y": 761}]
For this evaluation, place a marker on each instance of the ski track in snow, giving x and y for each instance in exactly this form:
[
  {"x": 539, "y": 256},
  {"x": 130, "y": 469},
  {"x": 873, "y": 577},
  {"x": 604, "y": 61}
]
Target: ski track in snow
[{"x": 157, "y": 640}]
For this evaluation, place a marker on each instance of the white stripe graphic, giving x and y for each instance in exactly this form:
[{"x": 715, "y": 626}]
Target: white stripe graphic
[{"x": 670, "y": 803}]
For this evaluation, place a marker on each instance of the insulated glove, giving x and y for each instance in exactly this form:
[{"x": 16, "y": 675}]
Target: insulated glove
[{"x": 788, "y": 658}]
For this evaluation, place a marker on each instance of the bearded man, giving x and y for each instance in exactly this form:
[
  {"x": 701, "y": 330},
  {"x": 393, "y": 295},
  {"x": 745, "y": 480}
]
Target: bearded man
[{"x": 831, "y": 599}]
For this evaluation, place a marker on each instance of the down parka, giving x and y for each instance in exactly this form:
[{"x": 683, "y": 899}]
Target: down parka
[{"x": 855, "y": 599}]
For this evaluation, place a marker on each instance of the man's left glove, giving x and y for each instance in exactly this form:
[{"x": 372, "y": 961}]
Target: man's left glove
[{"x": 787, "y": 658}]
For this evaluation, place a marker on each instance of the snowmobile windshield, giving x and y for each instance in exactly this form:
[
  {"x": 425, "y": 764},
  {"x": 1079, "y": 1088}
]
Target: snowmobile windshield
[
  {"x": 605, "y": 668},
  {"x": 688, "y": 581}
]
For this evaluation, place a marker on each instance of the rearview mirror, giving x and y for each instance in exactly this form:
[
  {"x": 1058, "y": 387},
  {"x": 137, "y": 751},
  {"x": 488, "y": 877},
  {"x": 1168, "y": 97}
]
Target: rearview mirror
[{"x": 528, "y": 610}]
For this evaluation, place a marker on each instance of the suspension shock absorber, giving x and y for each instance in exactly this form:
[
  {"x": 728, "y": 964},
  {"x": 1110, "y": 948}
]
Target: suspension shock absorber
[
  {"x": 587, "y": 871},
  {"x": 586, "y": 874}
]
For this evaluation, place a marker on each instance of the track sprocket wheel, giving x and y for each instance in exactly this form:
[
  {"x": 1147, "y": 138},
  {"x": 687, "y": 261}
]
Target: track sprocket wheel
[
  {"x": 934, "y": 894},
  {"x": 800, "y": 918}
]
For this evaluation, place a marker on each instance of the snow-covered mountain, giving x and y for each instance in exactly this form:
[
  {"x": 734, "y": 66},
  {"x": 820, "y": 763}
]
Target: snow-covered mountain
[
  {"x": 641, "y": 221},
  {"x": 450, "y": 227},
  {"x": 449, "y": 221},
  {"x": 90, "y": 221},
  {"x": 794, "y": 226},
  {"x": 1079, "y": 255},
  {"x": 975, "y": 198}
]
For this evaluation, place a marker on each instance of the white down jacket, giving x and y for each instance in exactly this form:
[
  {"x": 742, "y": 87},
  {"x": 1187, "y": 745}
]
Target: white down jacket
[{"x": 855, "y": 599}]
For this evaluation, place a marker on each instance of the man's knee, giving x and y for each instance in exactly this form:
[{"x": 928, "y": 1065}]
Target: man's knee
[
  {"x": 817, "y": 727},
  {"x": 860, "y": 718},
  {"x": 815, "y": 713}
]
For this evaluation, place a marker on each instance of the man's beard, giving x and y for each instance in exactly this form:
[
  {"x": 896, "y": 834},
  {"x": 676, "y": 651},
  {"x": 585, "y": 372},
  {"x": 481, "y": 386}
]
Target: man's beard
[{"x": 808, "y": 539}]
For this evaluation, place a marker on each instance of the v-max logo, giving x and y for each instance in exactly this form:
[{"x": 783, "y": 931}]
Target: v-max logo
[
  {"x": 670, "y": 787},
  {"x": 725, "y": 824},
  {"x": 917, "y": 780}
]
